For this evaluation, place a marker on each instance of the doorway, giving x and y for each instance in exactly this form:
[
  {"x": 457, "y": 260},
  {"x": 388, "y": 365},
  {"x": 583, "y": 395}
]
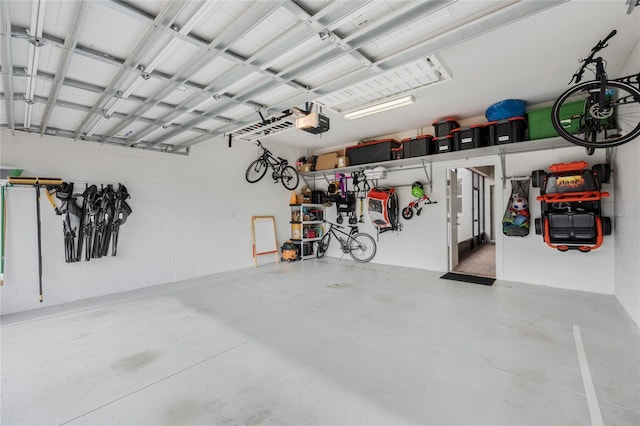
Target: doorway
[{"x": 471, "y": 216}]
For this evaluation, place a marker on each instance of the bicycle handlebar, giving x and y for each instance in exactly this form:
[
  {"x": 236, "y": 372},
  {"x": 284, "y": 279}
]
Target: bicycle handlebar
[{"x": 598, "y": 47}]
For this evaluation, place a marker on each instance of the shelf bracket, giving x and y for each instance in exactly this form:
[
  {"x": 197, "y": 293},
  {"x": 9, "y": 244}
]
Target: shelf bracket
[
  {"x": 428, "y": 173},
  {"x": 324, "y": 175},
  {"x": 503, "y": 166},
  {"x": 609, "y": 158}
]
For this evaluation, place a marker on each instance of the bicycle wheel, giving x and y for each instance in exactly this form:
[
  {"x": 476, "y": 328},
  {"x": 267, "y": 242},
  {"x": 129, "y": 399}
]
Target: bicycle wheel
[
  {"x": 256, "y": 170},
  {"x": 595, "y": 127},
  {"x": 323, "y": 245},
  {"x": 289, "y": 177},
  {"x": 362, "y": 247},
  {"x": 407, "y": 213}
]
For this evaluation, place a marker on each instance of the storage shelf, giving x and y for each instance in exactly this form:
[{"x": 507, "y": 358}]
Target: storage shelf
[
  {"x": 306, "y": 240},
  {"x": 300, "y": 227},
  {"x": 415, "y": 162}
]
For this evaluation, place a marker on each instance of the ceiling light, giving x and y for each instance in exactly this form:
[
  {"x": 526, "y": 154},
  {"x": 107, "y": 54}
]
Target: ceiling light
[{"x": 379, "y": 107}]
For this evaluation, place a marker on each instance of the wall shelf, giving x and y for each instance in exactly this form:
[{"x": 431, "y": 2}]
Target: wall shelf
[{"x": 419, "y": 162}]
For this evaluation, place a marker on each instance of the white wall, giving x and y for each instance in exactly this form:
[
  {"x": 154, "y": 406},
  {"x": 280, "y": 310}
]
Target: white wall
[
  {"x": 191, "y": 216},
  {"x": 422, "y": 243},
  {"x": 626, "y": 213}
]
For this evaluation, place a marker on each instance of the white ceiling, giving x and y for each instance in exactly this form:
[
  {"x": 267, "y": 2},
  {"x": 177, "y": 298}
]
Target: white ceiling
[{"x": 166, "y": 75}]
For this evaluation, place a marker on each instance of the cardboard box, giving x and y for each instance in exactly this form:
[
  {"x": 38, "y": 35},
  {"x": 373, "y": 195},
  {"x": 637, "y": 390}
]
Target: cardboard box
[
  {"x": 343, "y": 161},
  {"x": 327, "y": 161},
  {"x": 304, "y": 168}
]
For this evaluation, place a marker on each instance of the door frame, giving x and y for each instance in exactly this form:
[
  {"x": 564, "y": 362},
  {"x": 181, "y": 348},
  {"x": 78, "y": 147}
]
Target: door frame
[{"x": 489, "y": 222}]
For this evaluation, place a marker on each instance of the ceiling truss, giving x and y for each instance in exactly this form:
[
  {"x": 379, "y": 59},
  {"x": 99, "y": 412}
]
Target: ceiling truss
[{"x": 158, "y": 98}]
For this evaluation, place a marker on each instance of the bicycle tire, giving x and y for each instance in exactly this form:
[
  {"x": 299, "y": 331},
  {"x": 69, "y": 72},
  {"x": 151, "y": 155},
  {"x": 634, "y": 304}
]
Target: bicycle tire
[
  {"x": 256, "y": 170},
  {"x": 323, "y": 245},
  {"x": 289, "y": 177},
  {"x": 362, "y": 247},
  {"x": 407, "y": 213},
  {"x": 600, "y": 132}
]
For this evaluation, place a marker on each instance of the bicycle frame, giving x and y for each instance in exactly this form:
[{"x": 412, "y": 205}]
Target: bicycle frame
[
  {"x": 276, "y": 164},
  {"x": 611, "y": 113},
  {"x": 335, "y": 230}
]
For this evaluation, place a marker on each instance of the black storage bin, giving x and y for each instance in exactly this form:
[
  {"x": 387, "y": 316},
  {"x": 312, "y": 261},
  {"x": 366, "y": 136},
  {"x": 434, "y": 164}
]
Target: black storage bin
[
  {"x": 398, "y": 153},
  {"x": 444, "y": 144},
  {"x": 406, "y": 147},
  {"x": 418, "y": 146},
  {"x": 507, "y": 131},
  {"x": 307, "y": 248},
  {"x": 469, "y": 137},
  {"x": 316, "y": 197},
  {"x": 444, "y": 127},
  {"x": 372, "y": 152}
]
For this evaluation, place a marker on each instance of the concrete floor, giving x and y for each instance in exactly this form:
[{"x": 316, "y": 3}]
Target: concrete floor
[{"x": 324, "y": 343}]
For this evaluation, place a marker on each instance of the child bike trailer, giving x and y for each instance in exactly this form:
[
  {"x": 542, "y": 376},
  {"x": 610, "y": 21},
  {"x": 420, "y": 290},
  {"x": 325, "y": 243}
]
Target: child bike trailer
[{"x": 384, "y": 209}]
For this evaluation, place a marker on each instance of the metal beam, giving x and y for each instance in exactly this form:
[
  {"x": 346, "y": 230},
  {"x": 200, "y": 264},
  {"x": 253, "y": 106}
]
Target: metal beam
[
  {"x": 220, "y": 44},
  {"x": 53, "y": 131},
  {"x": 7, "y": 60},
  {"x": 503, "y": 17},
  {"x": 164, "y": 19},
  {"x": 280, "y": 45},
  {"x": 69, "y": 45}
]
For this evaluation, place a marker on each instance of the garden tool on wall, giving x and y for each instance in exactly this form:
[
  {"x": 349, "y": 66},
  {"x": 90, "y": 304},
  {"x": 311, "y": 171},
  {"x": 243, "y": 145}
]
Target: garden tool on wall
[
  {"x": 37, "y": 183},
  {"x": 72, "y": 215}
]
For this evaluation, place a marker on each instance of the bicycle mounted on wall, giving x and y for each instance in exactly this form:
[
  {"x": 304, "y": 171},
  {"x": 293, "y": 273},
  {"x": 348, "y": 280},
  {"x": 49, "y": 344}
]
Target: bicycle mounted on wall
[
  {"x": 281, "y": 170},
  {"x": 609, "y": 109}
]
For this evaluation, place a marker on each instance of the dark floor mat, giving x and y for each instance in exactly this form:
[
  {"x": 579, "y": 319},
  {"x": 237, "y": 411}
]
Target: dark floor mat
[{"x": 468, "y": 278}]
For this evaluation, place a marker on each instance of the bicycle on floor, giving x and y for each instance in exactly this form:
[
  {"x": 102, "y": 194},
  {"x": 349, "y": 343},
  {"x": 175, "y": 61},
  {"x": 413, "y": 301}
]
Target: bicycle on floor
[
  {"x": 360, "y": 246},
  {"x": 608, "y": 110},
  {"x": 281, "y": 170}
]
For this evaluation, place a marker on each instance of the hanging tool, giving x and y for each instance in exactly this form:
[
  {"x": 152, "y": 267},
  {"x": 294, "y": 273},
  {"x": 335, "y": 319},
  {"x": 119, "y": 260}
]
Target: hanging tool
[
  {"x": 37, "y": 183},
  {"x": 3, "y": 214}
]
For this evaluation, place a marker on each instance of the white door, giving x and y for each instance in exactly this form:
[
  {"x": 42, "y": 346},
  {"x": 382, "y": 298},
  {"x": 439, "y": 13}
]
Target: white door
[{"x": 453, "y": 209}]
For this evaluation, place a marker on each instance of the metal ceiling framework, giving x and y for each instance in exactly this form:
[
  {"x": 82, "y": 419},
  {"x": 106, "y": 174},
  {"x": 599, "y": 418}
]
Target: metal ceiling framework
[{"x": 192, "y": 71}]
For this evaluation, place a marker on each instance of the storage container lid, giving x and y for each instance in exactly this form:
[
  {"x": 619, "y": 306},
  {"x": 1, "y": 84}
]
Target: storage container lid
[
  {"x": 373, "y": 143},
  {"x": 444, "y": 120},
  {"x": 506, "y": 120}
]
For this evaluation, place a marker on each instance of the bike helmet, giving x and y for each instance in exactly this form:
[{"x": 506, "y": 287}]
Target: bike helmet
[{"x": 417, "y": 190}]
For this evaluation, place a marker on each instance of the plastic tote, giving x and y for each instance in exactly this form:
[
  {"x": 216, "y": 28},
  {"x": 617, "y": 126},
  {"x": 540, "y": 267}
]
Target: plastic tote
[{"x": 505, "y": 109}]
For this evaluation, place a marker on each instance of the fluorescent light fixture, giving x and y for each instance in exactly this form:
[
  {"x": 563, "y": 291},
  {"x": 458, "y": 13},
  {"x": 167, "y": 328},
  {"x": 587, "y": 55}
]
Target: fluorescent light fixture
[{"x": 379, "y": 107}]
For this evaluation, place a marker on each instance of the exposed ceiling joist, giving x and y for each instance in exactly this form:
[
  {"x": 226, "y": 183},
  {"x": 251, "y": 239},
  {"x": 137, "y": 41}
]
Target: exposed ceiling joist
[
  {"x": 7, "y": 67},
  {"x": 170, "y": 74}
]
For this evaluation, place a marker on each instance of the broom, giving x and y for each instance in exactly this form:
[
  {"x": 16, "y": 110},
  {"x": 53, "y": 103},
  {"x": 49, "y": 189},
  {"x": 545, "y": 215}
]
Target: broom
[
  {"x": 5, "y": 172},
  {"x": 37, "y": 182}
]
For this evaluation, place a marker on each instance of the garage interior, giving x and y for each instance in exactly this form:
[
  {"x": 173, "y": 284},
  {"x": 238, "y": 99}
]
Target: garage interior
[{"x": 169, "y": 99}]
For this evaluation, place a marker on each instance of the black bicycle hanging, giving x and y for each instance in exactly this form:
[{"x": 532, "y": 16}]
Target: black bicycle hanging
[
  {"x": 607, "y": 112},
  {"x": 281, "y": 170}
]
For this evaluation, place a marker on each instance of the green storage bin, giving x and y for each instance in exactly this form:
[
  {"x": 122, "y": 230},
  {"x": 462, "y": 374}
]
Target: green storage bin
[{"x": 540, "y": 126}]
